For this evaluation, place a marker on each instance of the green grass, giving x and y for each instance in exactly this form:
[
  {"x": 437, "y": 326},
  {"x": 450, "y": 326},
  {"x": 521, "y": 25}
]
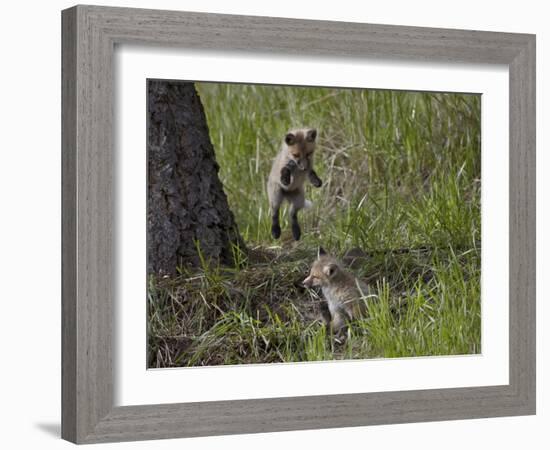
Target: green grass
[{"x": 401, "y": 175}]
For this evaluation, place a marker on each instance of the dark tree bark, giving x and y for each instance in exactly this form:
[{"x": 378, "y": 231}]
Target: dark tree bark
[{"x": 186, "y": 203}]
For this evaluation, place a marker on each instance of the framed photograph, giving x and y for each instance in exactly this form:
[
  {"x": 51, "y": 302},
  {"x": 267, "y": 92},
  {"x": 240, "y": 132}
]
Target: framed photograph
[{"x": 279, "y": 224}]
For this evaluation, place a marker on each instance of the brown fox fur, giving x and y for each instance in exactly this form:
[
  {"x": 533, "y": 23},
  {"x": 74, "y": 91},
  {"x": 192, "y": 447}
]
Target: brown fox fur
[
  {"x": 344, "y": 293},
  {"x": 292, "y": 165}
]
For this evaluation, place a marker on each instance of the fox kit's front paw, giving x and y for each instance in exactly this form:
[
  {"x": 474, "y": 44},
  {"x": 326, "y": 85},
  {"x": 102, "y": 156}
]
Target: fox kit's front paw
[
  {"x": 314, "y": 179},
  {"x": 285, "y": 176}
]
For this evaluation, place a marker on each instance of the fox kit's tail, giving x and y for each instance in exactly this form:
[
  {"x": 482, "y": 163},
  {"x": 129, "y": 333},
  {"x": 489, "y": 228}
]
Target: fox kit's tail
[{"x": 308, "y": 204}]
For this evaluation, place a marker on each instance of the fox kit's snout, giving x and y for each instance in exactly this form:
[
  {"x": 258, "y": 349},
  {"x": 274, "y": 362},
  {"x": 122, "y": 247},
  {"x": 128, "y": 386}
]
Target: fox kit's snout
[
  {"x": 344, "y": 293},
  {"x": 292, "y": 165},
  {"x": 301, "y": 145}
]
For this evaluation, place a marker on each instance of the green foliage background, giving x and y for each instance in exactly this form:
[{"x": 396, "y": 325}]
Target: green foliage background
[{"x": 401, "y": 173}]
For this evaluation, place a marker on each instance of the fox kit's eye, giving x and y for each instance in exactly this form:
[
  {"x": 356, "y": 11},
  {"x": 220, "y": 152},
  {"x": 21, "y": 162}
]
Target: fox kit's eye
[
  {"x": 311, "y": 135},
  {"x": 290, "y": 139}
]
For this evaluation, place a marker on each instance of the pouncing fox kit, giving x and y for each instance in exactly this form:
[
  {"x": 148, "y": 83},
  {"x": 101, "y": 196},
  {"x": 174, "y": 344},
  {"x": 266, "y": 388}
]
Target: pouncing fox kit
[{"x": 292, "y": 165}]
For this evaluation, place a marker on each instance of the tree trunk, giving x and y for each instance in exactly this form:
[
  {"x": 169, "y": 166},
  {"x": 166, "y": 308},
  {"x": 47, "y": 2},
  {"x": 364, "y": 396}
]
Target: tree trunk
[{"x": 187, "y": 208}]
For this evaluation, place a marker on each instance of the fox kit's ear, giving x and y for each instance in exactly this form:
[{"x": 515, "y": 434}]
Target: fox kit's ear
[
  {"x": 321, "y": 251},
  {"x": 290, "y": 139},
  {"x": 311, "y": 135},
  {"x": 330, "y": 269}
]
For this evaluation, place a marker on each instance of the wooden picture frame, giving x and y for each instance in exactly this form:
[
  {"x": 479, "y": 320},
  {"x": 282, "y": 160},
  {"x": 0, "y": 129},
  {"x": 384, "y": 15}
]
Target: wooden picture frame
[{"x": 89, "y": 36}]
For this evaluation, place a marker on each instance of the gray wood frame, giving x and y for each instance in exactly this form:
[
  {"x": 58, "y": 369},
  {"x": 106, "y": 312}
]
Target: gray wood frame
[{"x": 89, "y": 36}]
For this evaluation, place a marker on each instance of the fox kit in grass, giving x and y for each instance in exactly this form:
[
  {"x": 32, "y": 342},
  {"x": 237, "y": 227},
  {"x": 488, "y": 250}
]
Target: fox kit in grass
[
  {"x": 291, "y": 167},
  {"x": 344, "y": 293}
]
